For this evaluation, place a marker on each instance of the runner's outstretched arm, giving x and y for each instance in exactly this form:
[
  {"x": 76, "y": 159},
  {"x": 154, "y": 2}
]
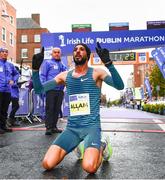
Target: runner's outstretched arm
[
  {"x": 58, "y": 80},
  {"x": 114, "y": 80},
  {"x": 49, "y": 85}
]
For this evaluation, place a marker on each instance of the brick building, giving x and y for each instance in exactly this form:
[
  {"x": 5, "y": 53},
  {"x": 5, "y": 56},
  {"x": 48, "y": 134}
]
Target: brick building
[
  {"x": 8, "y": 28},
  {"x": 28, "y": 38},
  {"x": 141, "y": 71}
]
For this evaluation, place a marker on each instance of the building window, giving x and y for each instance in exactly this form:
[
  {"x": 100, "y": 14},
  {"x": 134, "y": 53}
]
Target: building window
[
  {"x": 11, "y": 20},
  {"x": 11, "y": 39},
  {"x": 24, "y": 38},
  {"x": 37, "y": 50},
  {"x": 37, "y": 38},
  {"x": 24, "y": 53},
  {"x": 3, "y": 34}
]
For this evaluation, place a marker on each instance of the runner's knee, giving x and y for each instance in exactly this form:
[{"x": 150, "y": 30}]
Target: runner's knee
[
  {"x": 47, "y": 165},
  {"x": 89, "y": 167}
]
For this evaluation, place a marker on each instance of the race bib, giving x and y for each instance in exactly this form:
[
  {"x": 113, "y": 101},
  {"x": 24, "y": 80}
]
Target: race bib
[{"x": 79, "y": 104}]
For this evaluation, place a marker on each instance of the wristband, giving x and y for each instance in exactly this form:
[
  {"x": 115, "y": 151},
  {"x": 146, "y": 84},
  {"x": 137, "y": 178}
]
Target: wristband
[
  {"x": 36, "y": 82},
  {"x": 108, "y": 63}
]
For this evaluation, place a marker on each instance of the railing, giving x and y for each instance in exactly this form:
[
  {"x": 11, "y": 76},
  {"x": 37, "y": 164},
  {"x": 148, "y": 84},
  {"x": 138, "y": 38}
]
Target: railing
[{"x": 32, "y": 106}]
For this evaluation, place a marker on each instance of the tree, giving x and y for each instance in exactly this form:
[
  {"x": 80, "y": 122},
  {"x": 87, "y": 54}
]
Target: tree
[{"x": 157, "y": 80}]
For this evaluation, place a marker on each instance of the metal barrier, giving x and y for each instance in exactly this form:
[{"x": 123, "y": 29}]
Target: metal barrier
[
  {"x": 37, "y": 105},
  {"x": 65, "y": 105},
  {"x": 24, "y": 109},
  {"x": 32, "y": 106}
]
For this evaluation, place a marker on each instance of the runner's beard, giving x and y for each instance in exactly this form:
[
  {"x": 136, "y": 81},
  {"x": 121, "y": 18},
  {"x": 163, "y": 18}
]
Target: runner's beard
[{"x": 80, "y": 63}]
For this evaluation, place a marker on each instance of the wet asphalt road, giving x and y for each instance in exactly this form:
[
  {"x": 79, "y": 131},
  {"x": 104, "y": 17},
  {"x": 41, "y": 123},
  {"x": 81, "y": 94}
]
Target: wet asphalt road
[{"x": 136, "y": 155}]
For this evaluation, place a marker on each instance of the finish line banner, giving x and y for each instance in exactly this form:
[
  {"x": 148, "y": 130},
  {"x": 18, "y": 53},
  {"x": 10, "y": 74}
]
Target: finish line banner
[{"x": 114, "y": 41}]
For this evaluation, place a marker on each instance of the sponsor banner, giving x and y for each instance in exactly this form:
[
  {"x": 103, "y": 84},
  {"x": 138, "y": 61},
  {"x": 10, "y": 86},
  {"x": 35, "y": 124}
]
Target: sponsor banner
[
  {"x": 142, "y": 92},
  {"x": 159, "y": 56},
  {"x": 65, "y": 105},
  {"x": 47, "y": 52},
  {"x": 142, "y": 57},
  {"x": 148, "y": 87},
  {"x": 23, "y": 103},
  {"x": 95, "y": 60},
  {"x": 38, "y": 101},
  {"x": 64, "y": 60},
  {"x": 39, "y": 104},
  {"x": 112, "y": 40}
]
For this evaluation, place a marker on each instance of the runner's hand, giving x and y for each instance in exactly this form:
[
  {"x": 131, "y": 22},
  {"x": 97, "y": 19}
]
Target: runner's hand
[
  {"x": 103, "y": 54},
  {"x": 37, "y": 60}
]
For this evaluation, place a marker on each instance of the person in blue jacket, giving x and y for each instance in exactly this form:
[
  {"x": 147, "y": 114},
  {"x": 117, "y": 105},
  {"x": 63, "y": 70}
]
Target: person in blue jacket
[
  {"x": 48, "y": 70},
  {"x": 8, "y": 75},
  {"x": 15, "y": 103}
]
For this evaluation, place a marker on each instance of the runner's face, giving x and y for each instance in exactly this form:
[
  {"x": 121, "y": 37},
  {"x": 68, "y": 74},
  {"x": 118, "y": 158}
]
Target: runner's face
[
  {"x": 4, "y": 54},
  {"x": 79, "y": 55}
]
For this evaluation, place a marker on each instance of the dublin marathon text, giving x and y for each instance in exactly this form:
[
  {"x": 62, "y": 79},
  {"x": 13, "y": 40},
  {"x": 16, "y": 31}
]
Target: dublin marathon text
[{"x": 89, "y": 40}]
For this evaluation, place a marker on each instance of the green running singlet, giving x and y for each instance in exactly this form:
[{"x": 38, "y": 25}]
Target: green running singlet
[{"x": 84, "y": 100}]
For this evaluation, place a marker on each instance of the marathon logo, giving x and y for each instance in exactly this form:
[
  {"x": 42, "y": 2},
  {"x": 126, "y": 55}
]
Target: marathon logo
[
  {"x": 109, "y": 40},
  {"x": 87, "y": 40}
]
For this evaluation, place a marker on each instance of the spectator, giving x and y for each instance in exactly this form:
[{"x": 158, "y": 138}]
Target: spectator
[
  {"x": 48, "y": 70},
  {"x": 15, "y": 103},
  {"x": 8, "y": 76}
]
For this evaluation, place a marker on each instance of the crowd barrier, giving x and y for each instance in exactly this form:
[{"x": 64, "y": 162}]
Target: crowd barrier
[
  {"x": 65, "y": 105},
  {"x": 24, "y": 103},
  {"x": 32, "y": 106},
  {"x": 37, "y": 105}
]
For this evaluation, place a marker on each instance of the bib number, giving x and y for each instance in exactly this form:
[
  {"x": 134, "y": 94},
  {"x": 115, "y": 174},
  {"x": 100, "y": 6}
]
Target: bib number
[{"x": 79, "y": 104}]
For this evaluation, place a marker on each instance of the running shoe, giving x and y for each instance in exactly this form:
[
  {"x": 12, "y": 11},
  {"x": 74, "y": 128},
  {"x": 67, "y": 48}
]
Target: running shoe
[
  {"x": 79, "y": 151},
  {"x": 107, "y": 149}
]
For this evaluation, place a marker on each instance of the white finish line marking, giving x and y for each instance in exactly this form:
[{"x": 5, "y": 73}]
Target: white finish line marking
[{"x": 162, "y": 126}]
